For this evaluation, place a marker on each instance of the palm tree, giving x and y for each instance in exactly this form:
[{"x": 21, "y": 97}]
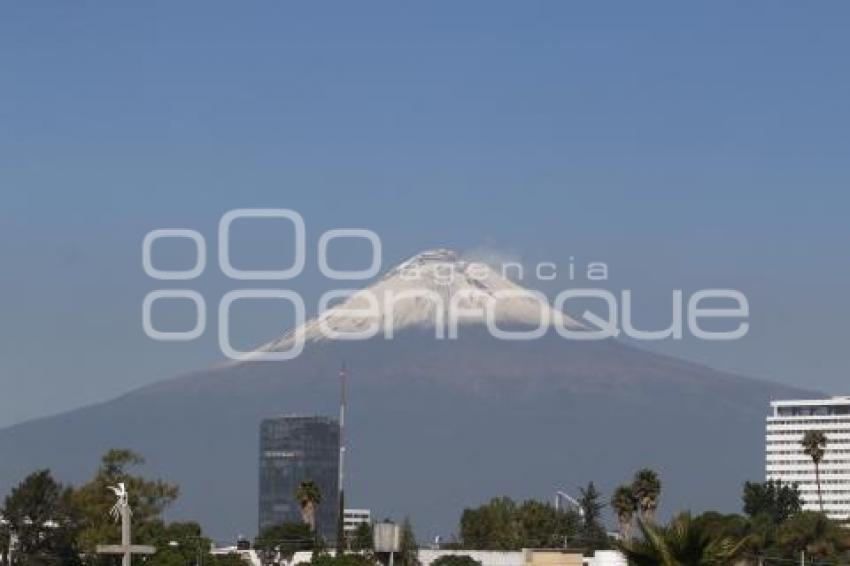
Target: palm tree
[
  {"x": 623, "y": 503},
  {"x": 814, "y": 445},
  {"x": 682, "y": 542},
  {"x": 309, "y": 496},
  {"x": 646, "y": 491}
]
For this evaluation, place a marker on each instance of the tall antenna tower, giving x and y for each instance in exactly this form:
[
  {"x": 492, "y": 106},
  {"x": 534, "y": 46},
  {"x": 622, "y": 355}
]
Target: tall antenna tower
[{"x": 340, "y": 526}]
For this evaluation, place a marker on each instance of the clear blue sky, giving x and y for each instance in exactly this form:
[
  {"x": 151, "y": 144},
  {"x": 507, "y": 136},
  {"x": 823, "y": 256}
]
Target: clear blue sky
[{"x": 686, "y": 145}]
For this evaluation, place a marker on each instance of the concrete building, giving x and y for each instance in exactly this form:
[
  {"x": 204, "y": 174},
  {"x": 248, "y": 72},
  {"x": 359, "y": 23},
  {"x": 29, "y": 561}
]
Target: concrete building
[
  {"x": 529, "y": 557},
  {"x": 295, "y": 449},
  {"x": 552, "y": 557},
  {"x": 785, "y": 460},
  {"x": 353, "y": 518}
]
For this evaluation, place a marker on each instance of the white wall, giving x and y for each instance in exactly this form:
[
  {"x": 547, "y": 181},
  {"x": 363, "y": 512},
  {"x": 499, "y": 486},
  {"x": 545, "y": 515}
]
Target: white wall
[
  {"x": 486, "y": 557},
  {"x": 516, "y": 558}
]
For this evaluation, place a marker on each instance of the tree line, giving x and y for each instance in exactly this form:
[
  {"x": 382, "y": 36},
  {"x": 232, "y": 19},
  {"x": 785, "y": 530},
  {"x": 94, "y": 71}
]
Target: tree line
[
  {"x": 772, "y": 528},
  {"x": 47, "y": 523}
]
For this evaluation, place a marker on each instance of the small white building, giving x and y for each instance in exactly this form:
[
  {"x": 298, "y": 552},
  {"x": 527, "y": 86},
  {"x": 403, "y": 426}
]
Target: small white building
[
  {"x": 353, "y": 518},
  {"x": 785, "y": 460},
  {"x": 518, "y": 557}
]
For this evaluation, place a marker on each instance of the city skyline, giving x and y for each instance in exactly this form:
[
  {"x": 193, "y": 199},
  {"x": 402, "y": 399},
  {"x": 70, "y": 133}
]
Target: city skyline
[{"x": 546, "y": 283}]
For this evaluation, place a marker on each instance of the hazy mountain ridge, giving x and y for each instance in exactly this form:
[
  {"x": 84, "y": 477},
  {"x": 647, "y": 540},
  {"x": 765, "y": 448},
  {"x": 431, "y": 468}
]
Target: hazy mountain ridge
[{"x": 434, "y": 425}]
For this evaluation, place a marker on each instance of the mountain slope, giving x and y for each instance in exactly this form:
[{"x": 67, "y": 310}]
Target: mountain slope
[{"x": 433, "y": 425}]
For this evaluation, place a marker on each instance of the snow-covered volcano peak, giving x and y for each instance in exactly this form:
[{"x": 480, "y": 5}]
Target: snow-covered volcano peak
[
  {"x": 439, "y": 255},
  {"x": 429, "y": 264},
  {"x": 435, "y": 288}
]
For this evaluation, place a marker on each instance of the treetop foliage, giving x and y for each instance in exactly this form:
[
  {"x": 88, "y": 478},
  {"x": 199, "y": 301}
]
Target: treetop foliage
[{"x": 502, "y": 524}]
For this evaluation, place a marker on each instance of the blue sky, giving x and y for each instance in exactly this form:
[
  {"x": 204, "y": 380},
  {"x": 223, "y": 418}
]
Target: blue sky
[{"x": 688, "y": 146}]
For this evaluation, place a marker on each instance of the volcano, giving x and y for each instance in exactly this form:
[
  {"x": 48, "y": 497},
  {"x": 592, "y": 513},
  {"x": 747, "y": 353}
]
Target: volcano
[{"x": 433, "y": 424}]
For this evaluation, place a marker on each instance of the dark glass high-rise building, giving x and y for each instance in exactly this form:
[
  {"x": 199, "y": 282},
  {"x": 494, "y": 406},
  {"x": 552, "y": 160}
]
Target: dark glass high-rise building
[{"x": 294, "y": 449}]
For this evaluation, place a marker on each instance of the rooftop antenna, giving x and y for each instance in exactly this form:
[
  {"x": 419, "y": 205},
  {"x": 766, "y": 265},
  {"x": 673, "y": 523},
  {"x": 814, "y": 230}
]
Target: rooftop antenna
[{"x": 340, "y": 527}]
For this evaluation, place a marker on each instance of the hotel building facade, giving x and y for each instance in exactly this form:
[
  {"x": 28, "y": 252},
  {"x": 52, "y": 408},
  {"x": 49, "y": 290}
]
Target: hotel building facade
[{"x": 785, "y": 460}]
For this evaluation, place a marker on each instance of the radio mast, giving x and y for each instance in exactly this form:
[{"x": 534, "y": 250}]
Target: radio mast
[{"x": 340, "y": 526}]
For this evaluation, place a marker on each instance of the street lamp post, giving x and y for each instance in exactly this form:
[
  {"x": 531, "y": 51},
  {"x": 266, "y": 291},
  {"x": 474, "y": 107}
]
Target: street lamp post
[{"x": 199, "y": 559}]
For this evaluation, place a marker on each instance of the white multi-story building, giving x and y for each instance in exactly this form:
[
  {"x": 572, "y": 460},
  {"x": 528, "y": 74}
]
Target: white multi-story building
[
  {"x": 353, "y": 518},
  {"x": 786, "y": 461}
]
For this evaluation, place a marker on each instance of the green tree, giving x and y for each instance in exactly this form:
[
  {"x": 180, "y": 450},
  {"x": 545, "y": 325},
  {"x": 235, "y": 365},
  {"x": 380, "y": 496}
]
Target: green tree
[
  {"x": 342, "y": 560},
  {"x": 814, "y": 445},
  {"x": 773, "y": 498},
  {"x": 542, "y": 526},
  {"x": 176, "y": 543},
  {"x": 408, "y": 549},
  {"x": 231, "y": 559},
  {"x": 40, "y": 513},
  {"x": 362, "y": 539},
  {"x": 646, "y": 489},
  {"x": 812, "y": 533},
  {"x": 93, "y": 500},
  {"x": 285, "y": 539},
  {"x": 492, "y": 526},
  {"x": 537, "y": 524},
  {"x": 309, "y": 496},
  {"x": 501, "y": 524},
  {"x": 5, "y": 542},
  {"x": 681, "y": 543},
  {"x": 455, "y": 560},
  {"x": 757, "y": 534},
  {"x": 593, "y": 534},
  {"x": 623, "y": 503}
]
